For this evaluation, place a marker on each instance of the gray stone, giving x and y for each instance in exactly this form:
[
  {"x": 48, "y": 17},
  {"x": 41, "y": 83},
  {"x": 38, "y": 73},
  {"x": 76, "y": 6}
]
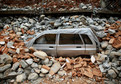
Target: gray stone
[
  {"x": 104, "y": 44},
  {"x": 34, "y": 65},
  {"x": 111, "y": 31},
  {"x": 112, "y": 73},
  {"x": 5, "y": 59},
  {"x": 37, "y": 70},
  {"x": 42, "y": 17},
  {"x": 23, "y": 64},
  {"x": 17, "y": 50},
  {"x": 40, "y": 54},
  {"x": 57, "y": 24},
  {"x": 26, "y": 50},
  {"x": 62, "y": 73},
  {"x": 37, "y": 81},
  {"x": 44, "y": 70},
  {"x": 10, "y": 44},
  {"x": 32, "y": 76},
  {"x": 55, "y": 67},
  {"x": 19, "y": 33},
  {"x": 12, "y": 51},
  {"x": 115, "y": 53},
  {"x": 84, "y": 7},
  {"x": 5, "y": 67},
  {"x": 42, "y": 75},
  {"x": 20, "y": 77},
  {"x": 20, "y": 71},
  {"x": 2, "y": 42},
  {"x": 29, "y": 61},
  {"x": 50, "y": 63},
  {"x": 101, "y": 34},
  {"x": 120, "y": 74},
  {"x": 45, "y": 61},
  {"x": 1, "y": 75},
  {"x": 12, "y": 74},
  {"x": 15, "y": 66}
]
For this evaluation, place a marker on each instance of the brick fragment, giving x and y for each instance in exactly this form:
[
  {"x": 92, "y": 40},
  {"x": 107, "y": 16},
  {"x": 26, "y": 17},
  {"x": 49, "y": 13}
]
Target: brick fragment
[
  {"x": 97, "y": 72},
  {"x": 111, "y": 41},
  {"x": 46, "y": 67},
  {"x": 77, "y": 66},
  {"x": 68, "y": 66}
]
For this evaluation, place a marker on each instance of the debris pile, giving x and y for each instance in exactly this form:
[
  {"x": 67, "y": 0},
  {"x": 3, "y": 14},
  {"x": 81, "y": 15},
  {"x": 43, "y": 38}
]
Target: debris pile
[
  {"x": 29, "y": 64},
  {"x": 109, "y": 59}
]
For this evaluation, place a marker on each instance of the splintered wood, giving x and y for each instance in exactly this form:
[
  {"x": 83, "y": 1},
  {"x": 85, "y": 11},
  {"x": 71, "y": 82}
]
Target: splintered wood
[{"x": 114, "y": 39}]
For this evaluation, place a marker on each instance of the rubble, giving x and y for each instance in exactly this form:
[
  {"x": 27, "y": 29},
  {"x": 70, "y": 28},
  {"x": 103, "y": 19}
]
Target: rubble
[{"x": 18, "y": 59}]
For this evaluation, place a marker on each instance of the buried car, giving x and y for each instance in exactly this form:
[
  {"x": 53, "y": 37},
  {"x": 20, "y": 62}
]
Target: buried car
[{"x": 66, "y": 42}]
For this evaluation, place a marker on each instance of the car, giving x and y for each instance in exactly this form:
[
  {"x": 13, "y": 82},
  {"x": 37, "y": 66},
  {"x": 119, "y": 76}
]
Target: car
[{"x": 66, "y": 42}]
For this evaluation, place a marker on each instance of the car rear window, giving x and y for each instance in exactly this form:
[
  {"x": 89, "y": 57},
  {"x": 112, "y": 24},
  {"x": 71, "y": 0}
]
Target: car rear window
[
  {"x": 86, "y": 39},
  {"x": 70, "y": 39},
  {"x": 46, "y": 39}
]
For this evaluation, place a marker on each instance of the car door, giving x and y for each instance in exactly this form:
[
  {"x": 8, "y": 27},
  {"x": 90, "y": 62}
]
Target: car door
[
  {"x": 70, "y": 45},
  {"x": 46, "y": 43},
  {"x": 90, "y": 44}
]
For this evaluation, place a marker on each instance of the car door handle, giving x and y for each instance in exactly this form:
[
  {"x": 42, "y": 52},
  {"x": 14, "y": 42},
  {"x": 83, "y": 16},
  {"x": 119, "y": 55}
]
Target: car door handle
[
  {"x": 51, "y": 47},
  {"x": 78, "y": 47}
]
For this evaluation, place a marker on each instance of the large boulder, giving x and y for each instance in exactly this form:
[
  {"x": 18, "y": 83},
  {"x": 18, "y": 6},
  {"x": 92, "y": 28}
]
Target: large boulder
[{"x": 40, "y": 54}]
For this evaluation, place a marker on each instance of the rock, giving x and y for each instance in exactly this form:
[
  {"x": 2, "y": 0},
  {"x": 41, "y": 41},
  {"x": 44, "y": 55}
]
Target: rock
[
  {"x": 12, "y": 74},
  {"x": 37, "y": 81},
  {"x": 42, "y": 17},
  {"x": 111, "y": 31},
  {"x": 15, "y": 66},
  {"x": 10, "y": 44},
  {"x": 84, "y": 7},
  {"x": 120, "y": 74},
  {"x": 40, "y": 54},
  {"x": 44, "y": 70},
  {"x": 2, "y": 42},
  {"x": 104, "y": 44},
  {"x": 20, "y": 77},
  {"x": 37, "y": 70},
  {"x": 101, "y": 34},
  {"x": 55, "y": 67},
  {"x": 5, "y": 59},
  {"x": 29, "y": 61},
  {"x": 26, "y": 50},
  {"x": 32, "y": 76},
  {"x": 45, "y": 61},
  {"x": 23, "y": 64},
  {"x": 17, "y": 50},
  {"x": 19, "y": 33},
  {"x": 1, "y": 75},
  {"x": 62, "y": 73},
  {"x": 49, "y": 64},
  {"x": 112, "y": 73},
  {"x": 34, "y": 65},
  {"x": 57, "y": 24},
  {"x": 20, "y": 71},
  {"x": 5, "y": 67},
  {"x": 42, "y": 75}
]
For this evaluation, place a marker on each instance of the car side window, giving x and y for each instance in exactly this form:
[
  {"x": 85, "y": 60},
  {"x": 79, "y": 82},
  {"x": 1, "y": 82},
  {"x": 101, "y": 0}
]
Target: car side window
[
  {"x": 70, "y": 39},
  {"x": 46, "y": 39},
  {"x": 86, "y": 39}
]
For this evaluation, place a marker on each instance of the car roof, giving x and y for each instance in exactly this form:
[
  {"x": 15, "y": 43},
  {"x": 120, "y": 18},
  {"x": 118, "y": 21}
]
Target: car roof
[
  {"x": 87, "y": 31},
  {"x": 71, "y": 31}
]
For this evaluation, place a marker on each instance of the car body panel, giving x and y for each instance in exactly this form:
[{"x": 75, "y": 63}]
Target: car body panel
[{"x": 67, "y": 50}]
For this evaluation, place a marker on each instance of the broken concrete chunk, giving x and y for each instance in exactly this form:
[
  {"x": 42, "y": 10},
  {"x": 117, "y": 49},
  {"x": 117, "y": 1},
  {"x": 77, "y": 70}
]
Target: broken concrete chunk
[
  {"x": 32, "y": 76},
  {"x": 29, "y": 61},
  {"x": 5, "y": 67},
  {"x": 44, "y": 70},
  {"x": 40, "y": 54},
  {"x": 10, "y": 44},
  {"x": 5, "y": 59},
  {"x": 104, "y": 44},
  {"x": 23, "y": 64},
  {"x": 20, "y": 77},
  {"x": 54, "y": 69},
  {"x": 15, "y": 66}
]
